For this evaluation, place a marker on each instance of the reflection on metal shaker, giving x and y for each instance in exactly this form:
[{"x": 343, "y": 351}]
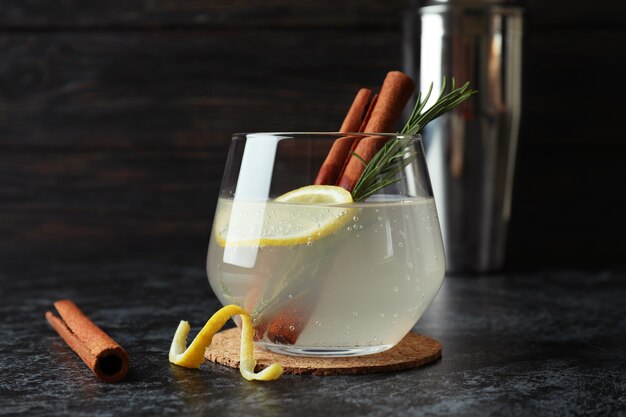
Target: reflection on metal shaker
[{"x": 471, "y": 150}]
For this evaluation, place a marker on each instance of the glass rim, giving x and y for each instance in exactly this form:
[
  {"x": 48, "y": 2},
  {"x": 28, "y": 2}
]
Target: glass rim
[{"x": 385, "y": 134}]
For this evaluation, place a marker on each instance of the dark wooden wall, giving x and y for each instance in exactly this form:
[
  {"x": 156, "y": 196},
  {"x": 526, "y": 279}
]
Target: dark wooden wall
[{"x": 115, "y": 117}]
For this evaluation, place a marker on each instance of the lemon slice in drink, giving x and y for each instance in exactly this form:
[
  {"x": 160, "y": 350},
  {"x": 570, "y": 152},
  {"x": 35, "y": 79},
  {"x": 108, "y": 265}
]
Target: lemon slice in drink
[
  {"x": 318, "y": 194},
  {"x": 297, "y": 217}
]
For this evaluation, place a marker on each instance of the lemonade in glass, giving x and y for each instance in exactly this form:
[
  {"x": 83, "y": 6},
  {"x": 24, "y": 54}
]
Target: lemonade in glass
[{"x": 320, "y": 273}]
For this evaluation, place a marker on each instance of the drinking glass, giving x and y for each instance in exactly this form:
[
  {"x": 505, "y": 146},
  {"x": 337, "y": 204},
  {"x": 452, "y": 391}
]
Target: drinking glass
[{"x": 323, "y": 279}]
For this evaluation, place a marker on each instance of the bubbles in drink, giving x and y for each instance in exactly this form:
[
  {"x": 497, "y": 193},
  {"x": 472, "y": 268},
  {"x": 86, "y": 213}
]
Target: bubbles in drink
[{"x": 353, "y": 283}]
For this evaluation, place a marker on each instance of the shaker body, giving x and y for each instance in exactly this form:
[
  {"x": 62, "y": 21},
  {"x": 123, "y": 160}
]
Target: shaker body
[{"x": 471, "y": 150}]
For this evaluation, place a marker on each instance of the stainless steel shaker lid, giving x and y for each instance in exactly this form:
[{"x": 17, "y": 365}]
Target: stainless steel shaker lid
[
  {"x": 464, "y": 3},
  {"x": 509, "y": 7}
]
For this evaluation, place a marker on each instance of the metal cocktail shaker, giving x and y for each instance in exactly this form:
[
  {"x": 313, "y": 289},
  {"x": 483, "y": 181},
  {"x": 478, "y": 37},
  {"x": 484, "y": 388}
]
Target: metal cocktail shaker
[{"x": 471, "y": 150}]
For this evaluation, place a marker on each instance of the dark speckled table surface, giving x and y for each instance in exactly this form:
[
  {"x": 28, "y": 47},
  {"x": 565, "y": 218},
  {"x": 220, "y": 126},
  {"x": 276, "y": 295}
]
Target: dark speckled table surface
[{"x": 538, "y": 344}]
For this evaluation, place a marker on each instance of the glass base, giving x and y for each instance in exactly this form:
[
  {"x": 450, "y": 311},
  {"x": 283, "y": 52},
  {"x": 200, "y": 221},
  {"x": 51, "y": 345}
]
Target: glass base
[{"x": 323, "y": 352}]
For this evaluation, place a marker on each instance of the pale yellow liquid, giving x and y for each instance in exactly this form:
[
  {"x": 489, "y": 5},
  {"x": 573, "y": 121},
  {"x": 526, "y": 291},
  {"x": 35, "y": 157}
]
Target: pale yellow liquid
[{"x": 368, "y": 282}]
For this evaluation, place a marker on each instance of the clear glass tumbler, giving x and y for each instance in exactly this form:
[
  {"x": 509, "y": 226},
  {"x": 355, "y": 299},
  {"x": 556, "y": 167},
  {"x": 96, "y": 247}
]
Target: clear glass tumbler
[{"x": 323, "y": 279}]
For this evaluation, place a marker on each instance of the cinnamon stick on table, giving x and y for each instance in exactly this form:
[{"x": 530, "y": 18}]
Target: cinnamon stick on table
[{"x": 100, "y": 353}]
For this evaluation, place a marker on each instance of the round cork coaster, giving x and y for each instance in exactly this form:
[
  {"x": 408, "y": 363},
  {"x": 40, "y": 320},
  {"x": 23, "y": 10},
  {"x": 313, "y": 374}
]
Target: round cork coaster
[{"x": 412, "y": 351}]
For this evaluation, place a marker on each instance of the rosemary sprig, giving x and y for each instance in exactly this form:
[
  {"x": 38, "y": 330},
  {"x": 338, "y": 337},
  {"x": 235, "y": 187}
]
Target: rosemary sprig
[
  {"x": 443, "y": 104},
  {"x": 395, "y": 155},
  {"x": 383, "y": 169}
]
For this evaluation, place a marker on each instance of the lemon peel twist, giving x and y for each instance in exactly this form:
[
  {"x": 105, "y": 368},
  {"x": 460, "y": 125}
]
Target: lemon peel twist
[{"x": 193, "y": 356}]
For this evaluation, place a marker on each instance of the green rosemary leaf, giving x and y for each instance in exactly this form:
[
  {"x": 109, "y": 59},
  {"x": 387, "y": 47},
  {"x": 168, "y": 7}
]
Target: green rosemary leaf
[
  {"x": 444, "y": 103},
  {"x": 377, "y": 188},
  {"x": 358, "y": 157}
]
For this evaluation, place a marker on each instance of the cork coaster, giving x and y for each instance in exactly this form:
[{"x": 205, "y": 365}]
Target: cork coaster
[{"x": 413, "y": 351}]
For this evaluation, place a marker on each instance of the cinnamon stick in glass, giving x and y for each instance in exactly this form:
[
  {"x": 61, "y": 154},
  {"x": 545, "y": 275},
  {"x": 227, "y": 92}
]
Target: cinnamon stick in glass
[
  {"x": 348, "y": 156},
  {"x": 343, "y": 169},
  {"x": 354, "y": 118},
  {"x": 333, "y": 164}
]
